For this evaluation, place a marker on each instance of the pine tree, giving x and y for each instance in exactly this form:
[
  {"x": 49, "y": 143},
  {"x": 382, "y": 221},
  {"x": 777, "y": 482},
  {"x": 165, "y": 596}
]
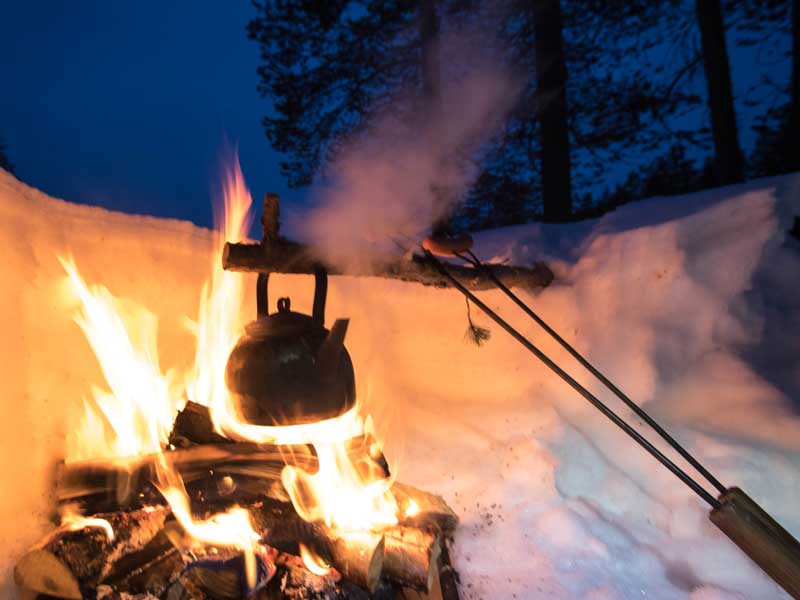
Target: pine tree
[{"x": 5, "y": 162}]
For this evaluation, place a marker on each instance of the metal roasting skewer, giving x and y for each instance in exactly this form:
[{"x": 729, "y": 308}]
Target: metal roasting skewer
[
  {"x": 596, "y": 402},
  {"x": 473, "y": 260},
  {"x": 740, "y": 518}
]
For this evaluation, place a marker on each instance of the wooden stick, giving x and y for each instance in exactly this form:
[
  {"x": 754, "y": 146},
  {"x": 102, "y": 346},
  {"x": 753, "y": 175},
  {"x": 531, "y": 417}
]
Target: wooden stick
[
  {"x": 767, "y": 544},
  {"x": 276, "y": 254},
  {"x": 285, "y": 256}
]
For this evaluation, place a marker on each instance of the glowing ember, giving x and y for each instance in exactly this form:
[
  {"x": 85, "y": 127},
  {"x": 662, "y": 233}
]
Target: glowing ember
[{"x": 313, "y": 562}]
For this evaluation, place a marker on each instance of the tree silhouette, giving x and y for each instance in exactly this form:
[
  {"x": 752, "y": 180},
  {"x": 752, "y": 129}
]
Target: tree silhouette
[{"x": 5, "y": 162}]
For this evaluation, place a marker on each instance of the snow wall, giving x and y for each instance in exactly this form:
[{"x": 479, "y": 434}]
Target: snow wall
[{"x": 690, "y": 304}]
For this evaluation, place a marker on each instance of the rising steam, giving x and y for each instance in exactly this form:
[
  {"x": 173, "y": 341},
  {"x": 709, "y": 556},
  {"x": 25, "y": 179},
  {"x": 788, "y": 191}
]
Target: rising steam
[{"x": 407, "y": 167}]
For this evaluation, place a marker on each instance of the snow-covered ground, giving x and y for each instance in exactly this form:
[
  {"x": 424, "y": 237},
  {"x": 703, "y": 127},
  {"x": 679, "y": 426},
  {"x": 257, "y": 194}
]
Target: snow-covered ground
[{"x": 691, "y": 304}]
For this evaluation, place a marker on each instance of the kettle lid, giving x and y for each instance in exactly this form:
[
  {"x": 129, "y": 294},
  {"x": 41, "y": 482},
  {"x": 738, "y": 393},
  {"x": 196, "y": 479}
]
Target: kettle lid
[{"x": 285, "y": 322}]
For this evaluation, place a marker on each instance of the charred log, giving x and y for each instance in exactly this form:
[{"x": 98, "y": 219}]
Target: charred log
[
  {"x": 86, "y": 557},
  {"x": 193, "y": 425}
]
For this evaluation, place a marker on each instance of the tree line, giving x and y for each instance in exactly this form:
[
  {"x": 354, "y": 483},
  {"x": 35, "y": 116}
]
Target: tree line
[{"x": 607, "y": 89}]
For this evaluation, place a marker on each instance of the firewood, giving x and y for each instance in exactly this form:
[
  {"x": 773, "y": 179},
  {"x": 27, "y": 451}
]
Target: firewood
[
  {"x": 358, "y": 556},
  {"x": 42, "y": 572},
  {"x": 149, "y": 570},
  {"x": 241, "y": 470},
  {"x": 193, "y": 425},
  {"x": 419, "y": 508},
  {"x": 86, "y": 556},
  {"x": 411, "y": 556},
  {"x": 100, "y": 486},
  {"x": 448, "y": 576}
]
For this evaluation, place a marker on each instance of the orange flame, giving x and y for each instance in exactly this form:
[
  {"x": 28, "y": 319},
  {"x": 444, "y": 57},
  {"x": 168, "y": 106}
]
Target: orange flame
[
  {"x": 142, "y": 403},
  {"x": 73, "y": 521}
]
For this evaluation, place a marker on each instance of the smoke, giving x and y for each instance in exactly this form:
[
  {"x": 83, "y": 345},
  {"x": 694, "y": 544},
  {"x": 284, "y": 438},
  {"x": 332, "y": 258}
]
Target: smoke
[{"x": 410, "y": 164}]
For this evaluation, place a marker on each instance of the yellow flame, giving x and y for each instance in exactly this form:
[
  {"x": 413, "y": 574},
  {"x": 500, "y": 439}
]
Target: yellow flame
[
  {"x": 73, "y": 521},
  {"x": 411, "y": 509},
  {"x": 350, "y": 491},
  {"x": 218, "y": 321},
  {"x": 142, "y": 402},
  {"x": 313, "y": 562}
]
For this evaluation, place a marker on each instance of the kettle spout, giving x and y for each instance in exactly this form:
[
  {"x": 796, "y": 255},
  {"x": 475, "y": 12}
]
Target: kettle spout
[{"x": 330, "y": 351}]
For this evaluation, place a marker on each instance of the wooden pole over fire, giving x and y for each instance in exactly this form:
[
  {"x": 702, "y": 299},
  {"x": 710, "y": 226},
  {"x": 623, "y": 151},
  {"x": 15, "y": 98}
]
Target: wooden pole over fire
[{"x": 276, "y": 254}]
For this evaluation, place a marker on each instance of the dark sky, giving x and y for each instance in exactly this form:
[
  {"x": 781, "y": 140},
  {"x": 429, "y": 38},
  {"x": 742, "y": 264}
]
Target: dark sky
[{"x": 128, "y": 104}]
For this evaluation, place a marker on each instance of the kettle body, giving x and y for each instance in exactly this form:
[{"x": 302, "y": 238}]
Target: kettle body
[{"x": 287, "y": 368}]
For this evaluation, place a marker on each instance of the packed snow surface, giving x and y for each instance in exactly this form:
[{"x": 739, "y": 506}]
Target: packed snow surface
[{"x": 691, "y": 304}]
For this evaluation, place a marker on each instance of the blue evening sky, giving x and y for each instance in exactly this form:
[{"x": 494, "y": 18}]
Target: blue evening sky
[{"x": 128, "y": 104}]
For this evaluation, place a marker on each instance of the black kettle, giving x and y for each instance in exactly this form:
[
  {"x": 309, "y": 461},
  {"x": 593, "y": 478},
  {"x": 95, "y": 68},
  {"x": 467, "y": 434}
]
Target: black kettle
[{"x": 287, "y": 368}]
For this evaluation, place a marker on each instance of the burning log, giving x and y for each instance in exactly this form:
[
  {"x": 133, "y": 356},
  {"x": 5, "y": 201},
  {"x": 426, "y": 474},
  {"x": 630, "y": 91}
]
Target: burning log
[
  {"x": 422, "y": 509},
  {"x": 358, "y": 556},
  {"x": 276, "y": 254},
  {"x": 101, "y": 486},
  {"x": 145, "y": 558},
  {"x": 70, "y": 562}
]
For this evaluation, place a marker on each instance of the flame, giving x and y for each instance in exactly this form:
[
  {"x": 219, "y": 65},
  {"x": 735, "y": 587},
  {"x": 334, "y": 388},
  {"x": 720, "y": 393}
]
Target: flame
[
  {"x": 134, "y": 417},
  {"x": 313, "y": 562},
  {"x": 74, "y": 521},
  {"x": 141, "y": 405},
  {"x": 218, "y": 321},
  {"x": 232, "y": 529},
  {"x": 411, "y": 509},
  {"x": 348, "y": 492}
]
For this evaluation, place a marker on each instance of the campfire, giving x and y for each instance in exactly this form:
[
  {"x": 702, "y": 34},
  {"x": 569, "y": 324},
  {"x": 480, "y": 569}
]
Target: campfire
[{"x": 258, "y": 474}]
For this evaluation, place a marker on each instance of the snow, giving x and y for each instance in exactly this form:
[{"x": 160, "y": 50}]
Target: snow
[{"x": 689, "y": 303}]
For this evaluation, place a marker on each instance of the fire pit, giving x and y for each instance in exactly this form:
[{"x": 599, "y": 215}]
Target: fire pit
[{"x": 260, "y": 478}]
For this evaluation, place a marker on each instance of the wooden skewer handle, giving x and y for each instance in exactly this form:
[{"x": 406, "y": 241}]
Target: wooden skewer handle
[{"x": 768, "y": 544}]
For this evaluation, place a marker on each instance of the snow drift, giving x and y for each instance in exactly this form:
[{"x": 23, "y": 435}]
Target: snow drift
[{"x": 690, "y": 304}]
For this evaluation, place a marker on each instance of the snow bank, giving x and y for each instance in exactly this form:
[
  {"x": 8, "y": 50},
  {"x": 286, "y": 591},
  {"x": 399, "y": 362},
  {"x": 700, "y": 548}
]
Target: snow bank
[{"x": 689, "y": 303}]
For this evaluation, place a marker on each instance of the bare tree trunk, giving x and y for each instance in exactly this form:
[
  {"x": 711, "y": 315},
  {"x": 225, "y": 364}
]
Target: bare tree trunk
[
  {"x": 428, "y": 33},
  {"x": 551, "y": 106},
  {"x": 728, "y": 162},
  {"x": 793, "y": 135},
  {"x": 431, "y": 97}
]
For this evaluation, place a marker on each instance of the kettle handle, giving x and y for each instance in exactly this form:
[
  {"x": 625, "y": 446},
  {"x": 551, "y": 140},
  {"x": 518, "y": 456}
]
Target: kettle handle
[{"x": 320, "y": 294}]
